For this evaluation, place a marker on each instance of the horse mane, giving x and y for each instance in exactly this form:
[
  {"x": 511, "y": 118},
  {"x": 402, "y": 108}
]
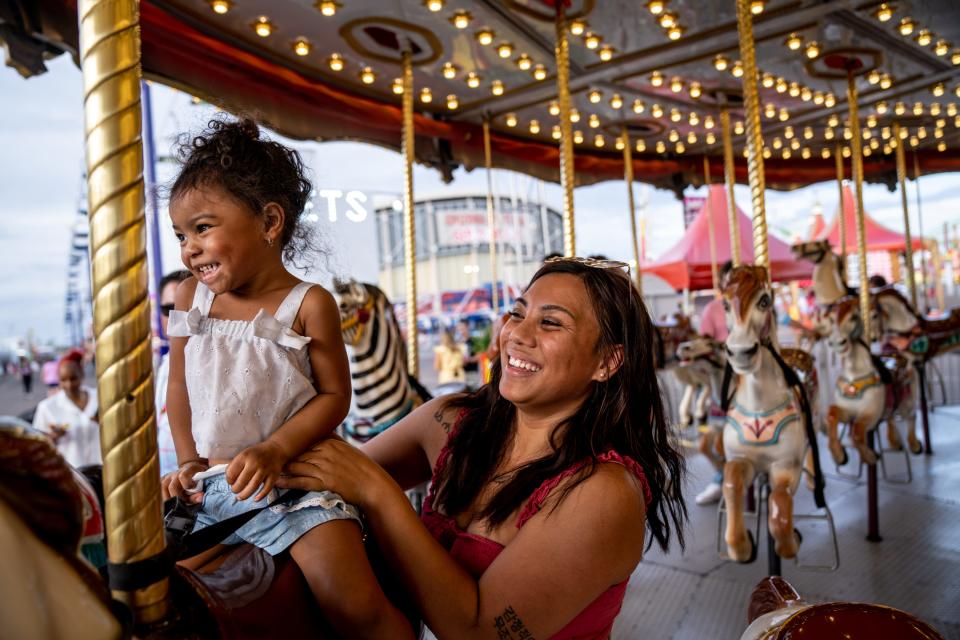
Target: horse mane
[
  {"x": 743, "y": 283},
  {"x": 845, "y": 306}
]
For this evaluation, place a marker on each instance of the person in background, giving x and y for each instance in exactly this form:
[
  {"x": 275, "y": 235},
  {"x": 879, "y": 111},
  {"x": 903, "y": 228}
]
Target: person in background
[
  {"x": 448, "y": 359},
  {"x": 50, "y": 374},
  {"x": 165, "y": 448},
  {"x": 69, "y": 417},
  {"x": 26, "y": 374},
  {"x": 713, "y": 324}
]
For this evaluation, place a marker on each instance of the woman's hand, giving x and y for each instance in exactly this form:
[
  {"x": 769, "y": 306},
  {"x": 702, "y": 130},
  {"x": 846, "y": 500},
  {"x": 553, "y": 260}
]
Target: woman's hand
[
  {"x": 255, "y": 466},
  {"x": 334, "y": 465}
]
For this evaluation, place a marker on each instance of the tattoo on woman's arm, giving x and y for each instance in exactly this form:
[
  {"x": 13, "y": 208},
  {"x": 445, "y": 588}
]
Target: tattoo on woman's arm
[
  {"x": 509, "y": 626},
  {"x": 446, "y": 425}
]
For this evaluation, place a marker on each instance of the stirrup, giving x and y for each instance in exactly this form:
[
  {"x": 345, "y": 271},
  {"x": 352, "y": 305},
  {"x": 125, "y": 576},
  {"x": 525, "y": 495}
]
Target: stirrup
[
  {"x": 905, "y": 450},
  {"x": 759, "y": 482},
  {"x": 826, "y": 516}
]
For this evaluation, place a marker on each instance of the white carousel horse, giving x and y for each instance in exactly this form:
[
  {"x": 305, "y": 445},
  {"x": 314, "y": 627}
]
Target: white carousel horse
[
  {"x": 702, "y": 360},
  {"x": 769, "y": 420},
  {"x": 383, "y": 391},
  {"x": 829, "y": 284},
  {"x": 908, "y": 332},
  {"x": 866, "y": 393}
]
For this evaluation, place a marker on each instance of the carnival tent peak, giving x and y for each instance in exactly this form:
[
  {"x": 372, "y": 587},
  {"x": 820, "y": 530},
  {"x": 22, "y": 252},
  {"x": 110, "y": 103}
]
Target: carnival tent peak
[
  {"x": 879, "y": 237},
  {"x": 687, "y": 264}
]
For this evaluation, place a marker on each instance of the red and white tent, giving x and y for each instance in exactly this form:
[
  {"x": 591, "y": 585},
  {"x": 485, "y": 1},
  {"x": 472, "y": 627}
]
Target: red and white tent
[
  {"x": 687, "y": 264},
  {"x": 879, "y": 237}
]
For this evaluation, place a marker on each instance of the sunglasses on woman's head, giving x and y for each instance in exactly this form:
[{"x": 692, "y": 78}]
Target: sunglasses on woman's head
[
  {"x": 592, "y": 262},
  {"x": 165, "y": 309}
]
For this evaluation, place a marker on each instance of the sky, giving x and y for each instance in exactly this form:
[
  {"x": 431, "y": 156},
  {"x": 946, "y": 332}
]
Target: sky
[{"x": 41, "y": 172}]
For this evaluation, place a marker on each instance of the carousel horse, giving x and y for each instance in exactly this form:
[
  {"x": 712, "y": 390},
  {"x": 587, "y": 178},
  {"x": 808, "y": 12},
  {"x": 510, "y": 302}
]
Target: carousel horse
[
  {"x": 704, "y": 359},
  {"x": 829, "y": 283},
  {"x": 769, "y": 421},
  {"x": 910, "y": 333},
  {"x": 777, "y": 612},
  {"x": 670, "y": 334},
  {"x": 383, "y": 390},
  {"x": 48, "y": 514},
  {"x": 867, "y": 393}
]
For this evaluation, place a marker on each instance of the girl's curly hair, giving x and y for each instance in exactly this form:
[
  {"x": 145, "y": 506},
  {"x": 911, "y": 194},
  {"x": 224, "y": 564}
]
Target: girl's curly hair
[{"x": 231, "y": 155}]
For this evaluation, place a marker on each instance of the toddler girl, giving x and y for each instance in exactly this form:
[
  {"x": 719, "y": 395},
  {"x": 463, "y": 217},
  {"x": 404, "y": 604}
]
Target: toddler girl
[{"x": 258, "y": 369}]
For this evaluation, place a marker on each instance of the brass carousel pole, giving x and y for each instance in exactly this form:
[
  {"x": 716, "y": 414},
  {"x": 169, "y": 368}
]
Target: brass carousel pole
[
  {"x": 491, "y": 222},
  {"x": 856, "y": 169},
  {"x": 409, "y": 222},
  {"x": 714, "y": 271},
  {"x": 562, "y": 52},
  {"x": 628, "y": 178},
  {"x": 729, "y": 172},
  {"x": 838, "y": 158},
  {"x": 110, "y": 60},
  {"x": 751, "y": 104},
  {"x": 902, "y": 179},
  {"x": 923, "y": 253}
]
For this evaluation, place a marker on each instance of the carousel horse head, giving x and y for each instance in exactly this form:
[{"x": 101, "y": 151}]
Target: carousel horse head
[
  {"x": 813, "y": 250},
  {"x": 894, "y": 313},
  {"x": 356, "y": 301},
  {"x": 748, "y": 303},
  {"x": 697, "y": 347},
  {"x": 846, "y": 325}
]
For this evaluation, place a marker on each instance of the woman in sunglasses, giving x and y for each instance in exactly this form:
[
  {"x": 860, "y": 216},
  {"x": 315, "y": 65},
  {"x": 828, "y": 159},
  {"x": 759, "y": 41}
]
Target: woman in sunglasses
[{"x": 545, "y": 480}]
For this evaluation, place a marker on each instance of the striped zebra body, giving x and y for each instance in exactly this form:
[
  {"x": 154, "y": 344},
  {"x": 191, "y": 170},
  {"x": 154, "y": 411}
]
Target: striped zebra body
[{"x": 382, "y": 390}]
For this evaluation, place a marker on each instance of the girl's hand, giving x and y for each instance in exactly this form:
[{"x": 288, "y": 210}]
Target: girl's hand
[
  {"x": 57, "y": 431},
  {"x": 177, "y": 482},
  {"x": 334, "y": 465},
  {"x": 254, "y": 466}
]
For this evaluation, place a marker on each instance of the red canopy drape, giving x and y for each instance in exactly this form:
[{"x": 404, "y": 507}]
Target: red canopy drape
[
  {"x": 879, "y": 237},
  {"x": 687, "y": 264}
]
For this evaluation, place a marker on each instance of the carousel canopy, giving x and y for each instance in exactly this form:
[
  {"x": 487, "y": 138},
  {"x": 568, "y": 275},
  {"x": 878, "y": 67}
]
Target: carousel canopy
[
  {"x": 817, "y": 225},
  {"x": 879, "y": 237},
  {"x": 687, "y": 264},
  {"x": 662, "y": 69}
]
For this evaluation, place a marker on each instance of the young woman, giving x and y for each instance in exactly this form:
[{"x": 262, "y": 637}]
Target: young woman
[{"x": 544, "y": 481}]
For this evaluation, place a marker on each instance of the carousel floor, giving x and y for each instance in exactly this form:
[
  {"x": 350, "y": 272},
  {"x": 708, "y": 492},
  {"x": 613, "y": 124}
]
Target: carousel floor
[{"x": 916, "y": 567}]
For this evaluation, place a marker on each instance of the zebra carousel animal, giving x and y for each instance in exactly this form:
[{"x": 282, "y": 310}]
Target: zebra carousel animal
[
  {"x": 383, "y": 390},
  {"x": 769, "y": 417},
  {"x": 702, "y": 362}
]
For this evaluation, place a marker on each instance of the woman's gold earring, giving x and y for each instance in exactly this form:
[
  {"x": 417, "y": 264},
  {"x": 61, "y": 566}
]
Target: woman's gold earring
[{"x": 270, "y": 242}]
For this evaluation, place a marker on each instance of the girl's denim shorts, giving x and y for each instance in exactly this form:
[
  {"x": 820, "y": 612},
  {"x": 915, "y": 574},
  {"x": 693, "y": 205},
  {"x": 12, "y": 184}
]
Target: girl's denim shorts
[{"x": 276, "y": 528}]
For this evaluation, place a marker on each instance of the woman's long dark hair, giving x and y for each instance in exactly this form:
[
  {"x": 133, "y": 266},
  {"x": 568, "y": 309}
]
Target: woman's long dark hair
[{"x": 624, "y": 413}]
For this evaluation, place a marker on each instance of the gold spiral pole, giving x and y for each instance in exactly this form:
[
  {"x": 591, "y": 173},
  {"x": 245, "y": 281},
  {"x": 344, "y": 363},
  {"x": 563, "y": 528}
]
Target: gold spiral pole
[
  {"x": 714, "y": 272},
  {"x": 856, "y": 164},
  {"x": 409, "y": 222},
  {"x": 729, "y": 172},
  {"x": 628, "y": 178},
  {"x": 562, "y": 52},
  {"x": 838, "y": 159},
  {"x": 923, "y": 247},
  {"x": 751, "y": 104},
  {"x": 110, "y": 60},
  {"x": 491, "y": 222},
  {"x": 902, "y": 179}
]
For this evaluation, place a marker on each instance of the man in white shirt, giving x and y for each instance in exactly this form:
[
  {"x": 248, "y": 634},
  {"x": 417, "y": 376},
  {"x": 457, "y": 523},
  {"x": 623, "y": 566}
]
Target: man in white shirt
[{"x": 165, "y": 449}]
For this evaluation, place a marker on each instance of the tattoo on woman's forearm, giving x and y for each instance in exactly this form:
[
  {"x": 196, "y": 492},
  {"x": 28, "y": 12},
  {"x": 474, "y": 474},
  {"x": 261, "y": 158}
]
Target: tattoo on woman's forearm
[
  {"x": 509, "y": 626},
  {"x": 446, "y": 425}
]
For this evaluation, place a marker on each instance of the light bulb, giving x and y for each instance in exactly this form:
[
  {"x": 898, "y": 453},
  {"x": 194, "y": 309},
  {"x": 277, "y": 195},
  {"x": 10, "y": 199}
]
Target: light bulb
[
  {"x": 426, "y": 96},
  {"x": 924, "y": 38},
  {"x": 555, "y": 132},
  {"x": 942, "y": 48},
  {"x": 511, "y": 120},
  {"x": 433, "y": 5},
  {"x": 367, "y": 76},
  {"x": 485, "y": 37},
  {"x": 504, "y": 49},
  {"x": 606, "y": 53},
  {"x": 534, "y": 127},
  {"x": 574, "y": 115},
  {"x": 806, "y": 94},
  {"x": 328, "y": 7},
  {"x": 829, "y": 100},
  {"x": 452, "y": 102},
  {"x": 335, "y": 62},
  {"x": 708, "y": 122},
  {"x": 813, "y": 50},
  {"x": 554, "y": 109},
  {"x": 449, "y": 71},
  {"x": 397, "y": 86},
  {"x": 592, "y": 41},
  {"x": 676, "y": 84},
  {"x": 577, "y": 27},
  {"x": 873, "y": 77},
  {"x": 767, "y": 80},
  {"x": 661, "y": 147},
  {"x": 656, "y": 79},
  {"x": 641, "y": 146},
  {"x": 524, "y": 62},
  {"x": 886, "y": 81},
  {"x": 825, "y": 153},
  {"x": 667, "y": 20},
  {"x": 756, "y": 7},
  {"x": 578, "y": 137},
  {"x": 595, "y": 96},
  {"x": 301, "y": 47},
  {"x": 616, "y": 101},
  {"x": 496, "y": 88},
  {"x": 695, "y": 90},
  {"x": 639, "y": 106},
  {"x": 539, "y": 72},
  {"x": 473, "y": 80},
  {"x": 656, "y": 111},
  {"x": 221, "y": 6},
  {"x": 598, "y": 140},
  {"x": 593, "y": 121},
  {"x": 938, "y": 89},
  {"x": 720, "y": 63},
  {"x": 884, "y": 12},
  {"x": 794, "y": 41},
  {"x": 906, "y": 27},
  {"x": 711, "y": 139},
  {"x": 675, "y": 32},
  {"x": 675, "y": 115},
  {"x": 737, "y": 69},
  {"x": 738, "y": 127},
  {"x": 263, "y": 27},
  {"x": 655, "y": 7},
  {"x": 461, "y": 19}
]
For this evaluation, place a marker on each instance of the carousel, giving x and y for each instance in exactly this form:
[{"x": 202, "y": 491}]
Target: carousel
[{"x": 772, "y": 94}]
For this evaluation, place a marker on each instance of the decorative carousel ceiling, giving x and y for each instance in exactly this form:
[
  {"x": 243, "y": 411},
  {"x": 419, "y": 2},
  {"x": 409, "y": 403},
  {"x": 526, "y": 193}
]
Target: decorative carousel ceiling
[{"x": 662, "y": 69}]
